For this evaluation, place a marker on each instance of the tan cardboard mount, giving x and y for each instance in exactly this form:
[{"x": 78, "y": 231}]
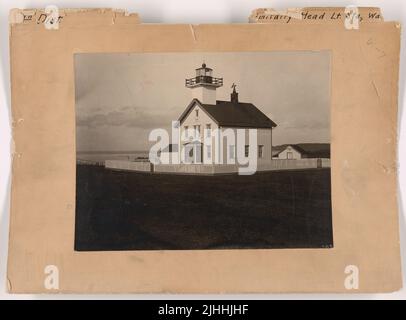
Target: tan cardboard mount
[{"x": 364, "y": 99}]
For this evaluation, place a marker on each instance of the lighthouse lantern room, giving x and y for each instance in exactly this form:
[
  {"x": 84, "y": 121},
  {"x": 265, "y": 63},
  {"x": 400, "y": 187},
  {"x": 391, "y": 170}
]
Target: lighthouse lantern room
[{"x": 204, "y": 85}]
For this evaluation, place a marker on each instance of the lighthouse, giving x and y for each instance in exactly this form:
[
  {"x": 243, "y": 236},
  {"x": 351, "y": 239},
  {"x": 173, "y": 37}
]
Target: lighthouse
[
  {"x": 209, "y": 130},
  {"x": 204, "y": 85}
]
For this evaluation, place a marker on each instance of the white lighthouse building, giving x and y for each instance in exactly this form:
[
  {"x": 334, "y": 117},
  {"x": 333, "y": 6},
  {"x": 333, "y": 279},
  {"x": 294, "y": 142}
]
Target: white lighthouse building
[{"x": 206, "y": 115}]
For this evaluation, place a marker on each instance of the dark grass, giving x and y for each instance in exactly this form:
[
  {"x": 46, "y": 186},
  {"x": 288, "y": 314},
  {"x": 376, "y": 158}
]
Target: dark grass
[{"x": 117, "y": 210}]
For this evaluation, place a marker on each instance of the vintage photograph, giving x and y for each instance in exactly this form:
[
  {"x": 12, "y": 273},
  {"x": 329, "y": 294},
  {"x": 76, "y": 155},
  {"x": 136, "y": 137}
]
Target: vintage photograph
[{"x": 183, "y": 151}]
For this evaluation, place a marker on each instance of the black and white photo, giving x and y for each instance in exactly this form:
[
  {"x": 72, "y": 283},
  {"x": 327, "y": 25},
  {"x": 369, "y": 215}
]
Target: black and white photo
[{"x": 182, "y": 151}]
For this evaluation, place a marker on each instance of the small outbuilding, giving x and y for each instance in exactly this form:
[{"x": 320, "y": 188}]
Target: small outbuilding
[{"x": 302, "y": 150}]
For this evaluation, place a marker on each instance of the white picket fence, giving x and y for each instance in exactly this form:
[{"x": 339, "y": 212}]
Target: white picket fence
[
  {"x": 210, "y": 169},
  {"x": 195, "y": 168},
  {"x": 291, "y": 164},
  {"x": 128, "y": 165}
]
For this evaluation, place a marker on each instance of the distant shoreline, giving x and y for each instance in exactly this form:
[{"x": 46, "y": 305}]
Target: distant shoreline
[{"x": 99, "y": 156}]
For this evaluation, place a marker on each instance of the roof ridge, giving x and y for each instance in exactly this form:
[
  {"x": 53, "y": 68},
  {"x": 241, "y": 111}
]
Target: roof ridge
[{"x": 233, "y": 114}]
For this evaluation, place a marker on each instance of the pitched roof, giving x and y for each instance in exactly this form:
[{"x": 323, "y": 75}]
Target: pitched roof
[
  {"x": 233, "y": 114},
  {"x": 278, "y": 149},
  {"x": 317, "y": 150}
]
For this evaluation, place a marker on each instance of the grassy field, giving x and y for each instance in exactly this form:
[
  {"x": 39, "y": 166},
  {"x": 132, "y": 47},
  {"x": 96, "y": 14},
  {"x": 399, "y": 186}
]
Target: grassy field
[{"x": 118, "y": 210}]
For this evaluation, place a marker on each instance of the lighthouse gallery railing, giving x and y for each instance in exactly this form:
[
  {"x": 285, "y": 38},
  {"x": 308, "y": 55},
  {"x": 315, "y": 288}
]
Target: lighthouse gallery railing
[{"x": 203, "y": 80}]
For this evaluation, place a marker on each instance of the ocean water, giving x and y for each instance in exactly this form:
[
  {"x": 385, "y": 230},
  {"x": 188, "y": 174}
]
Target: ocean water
[{"x": 111, "y": 155}]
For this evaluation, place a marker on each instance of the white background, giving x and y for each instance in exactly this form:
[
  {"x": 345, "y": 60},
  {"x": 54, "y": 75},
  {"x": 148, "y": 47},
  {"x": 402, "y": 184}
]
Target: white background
[{"x": 183, "y": 11}]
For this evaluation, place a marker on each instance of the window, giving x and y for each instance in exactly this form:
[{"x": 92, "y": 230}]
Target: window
[
  {"x": 290, "y": 155},
  {"x": 247, "y": 150},
  {"x": 260, "y": 151},
  {"x": 208, "y": 152},
  {"x": 208, "y": 130},
  {"x": 186, "y": 131},
  {"x": 197, "y": 131},
  {"x": 197, "y": 113},
  {"x": 231, "y": 152}
]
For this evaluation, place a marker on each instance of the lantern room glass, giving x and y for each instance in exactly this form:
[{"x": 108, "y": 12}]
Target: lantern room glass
[{"x": 204, "y": 72}]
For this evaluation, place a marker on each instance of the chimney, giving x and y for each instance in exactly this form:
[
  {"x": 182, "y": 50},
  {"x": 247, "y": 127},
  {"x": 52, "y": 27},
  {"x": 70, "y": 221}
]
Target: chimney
[{"x": 234, "y": 94}]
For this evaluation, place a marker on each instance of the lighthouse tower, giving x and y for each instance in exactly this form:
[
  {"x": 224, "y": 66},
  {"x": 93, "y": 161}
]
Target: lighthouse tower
[{"x": 204, "y": 85}]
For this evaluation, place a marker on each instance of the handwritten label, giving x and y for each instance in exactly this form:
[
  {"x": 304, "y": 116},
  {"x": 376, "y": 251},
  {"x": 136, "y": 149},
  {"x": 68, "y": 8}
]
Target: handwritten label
[{"x": 303, "y": 15}]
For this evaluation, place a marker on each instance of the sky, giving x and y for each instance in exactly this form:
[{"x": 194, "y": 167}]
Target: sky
[{"x": 121, "y": 97}]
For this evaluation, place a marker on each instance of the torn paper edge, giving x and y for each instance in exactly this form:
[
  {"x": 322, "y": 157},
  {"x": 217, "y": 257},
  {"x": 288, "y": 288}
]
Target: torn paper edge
[{"x": 31, "y": 16}]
